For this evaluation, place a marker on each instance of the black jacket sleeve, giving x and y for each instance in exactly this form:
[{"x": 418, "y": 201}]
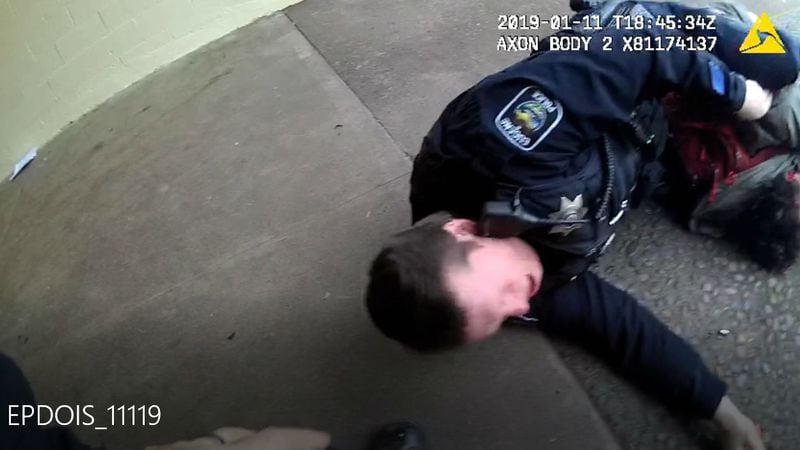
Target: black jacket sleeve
[
  {"x": 15, "y": 390},
  {"x": 606, "y": 82},
  {"x": 771, "y": 70},
  {"x": 611, "y": 323}
]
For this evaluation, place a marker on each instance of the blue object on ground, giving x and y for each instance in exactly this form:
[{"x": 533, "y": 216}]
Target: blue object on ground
[{"x": 23, "y": 163}]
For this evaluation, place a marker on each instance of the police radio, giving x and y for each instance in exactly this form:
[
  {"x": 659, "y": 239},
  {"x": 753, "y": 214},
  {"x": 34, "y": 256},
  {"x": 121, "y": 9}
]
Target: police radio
[{"x": 501, "y": 219}]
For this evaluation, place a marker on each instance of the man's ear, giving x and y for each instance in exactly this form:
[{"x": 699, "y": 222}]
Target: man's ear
[{"x": 461, "y": 228}]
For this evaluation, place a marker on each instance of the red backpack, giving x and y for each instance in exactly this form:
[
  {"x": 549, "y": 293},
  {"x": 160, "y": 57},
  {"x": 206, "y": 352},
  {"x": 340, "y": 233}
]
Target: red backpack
[{"x": 710, "y": 151}]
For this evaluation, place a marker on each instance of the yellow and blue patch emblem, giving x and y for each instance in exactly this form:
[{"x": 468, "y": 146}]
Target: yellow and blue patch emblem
[{"x": 528, "y": 118}]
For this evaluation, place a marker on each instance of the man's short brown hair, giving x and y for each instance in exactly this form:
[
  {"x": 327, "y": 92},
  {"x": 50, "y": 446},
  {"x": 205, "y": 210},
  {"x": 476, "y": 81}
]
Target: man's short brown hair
[{"x": 407, "y": 298}]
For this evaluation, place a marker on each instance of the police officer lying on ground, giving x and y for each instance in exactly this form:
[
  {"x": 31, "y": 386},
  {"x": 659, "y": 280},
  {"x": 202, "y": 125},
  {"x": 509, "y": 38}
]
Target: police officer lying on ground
[{"x": 518, "y": 187}]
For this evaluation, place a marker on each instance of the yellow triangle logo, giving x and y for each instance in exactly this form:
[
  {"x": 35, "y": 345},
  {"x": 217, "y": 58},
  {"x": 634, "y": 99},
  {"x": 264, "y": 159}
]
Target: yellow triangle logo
[{"x": 762, "y": 38}]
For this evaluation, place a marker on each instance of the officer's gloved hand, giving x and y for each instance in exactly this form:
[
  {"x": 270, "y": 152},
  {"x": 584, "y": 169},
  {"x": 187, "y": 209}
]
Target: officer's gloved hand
[
  {"x": 757, "y": 102},
  {"x": 738, "y": 431}
]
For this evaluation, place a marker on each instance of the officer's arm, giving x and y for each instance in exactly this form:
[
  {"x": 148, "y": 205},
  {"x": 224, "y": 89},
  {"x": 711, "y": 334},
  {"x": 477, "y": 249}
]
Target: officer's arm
[
  {"x": 613, "y": 324},
  {"x": 771, "y": 70},
  {"x": 605, "y": 82},
  {"x": 610, "y": 322}
]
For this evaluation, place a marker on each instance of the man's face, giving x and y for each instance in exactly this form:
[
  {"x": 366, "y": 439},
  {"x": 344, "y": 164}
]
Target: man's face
[{"x": 497, "y": 283}]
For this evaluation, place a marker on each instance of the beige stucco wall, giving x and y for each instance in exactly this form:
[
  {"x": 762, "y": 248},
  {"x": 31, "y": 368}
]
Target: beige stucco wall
[{"x": 61, "y": 58}]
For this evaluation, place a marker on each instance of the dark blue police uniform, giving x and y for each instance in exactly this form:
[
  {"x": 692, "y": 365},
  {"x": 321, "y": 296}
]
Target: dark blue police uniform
[{"x": 558, "y": 133}]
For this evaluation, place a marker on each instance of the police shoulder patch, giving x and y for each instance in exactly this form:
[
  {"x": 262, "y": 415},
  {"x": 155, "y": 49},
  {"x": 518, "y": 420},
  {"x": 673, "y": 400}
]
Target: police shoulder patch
[{"x": 528, "y": 118}]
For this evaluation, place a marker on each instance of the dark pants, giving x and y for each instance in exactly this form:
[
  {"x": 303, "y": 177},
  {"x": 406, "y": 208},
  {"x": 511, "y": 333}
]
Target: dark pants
[{"x": 15, "y": 390}]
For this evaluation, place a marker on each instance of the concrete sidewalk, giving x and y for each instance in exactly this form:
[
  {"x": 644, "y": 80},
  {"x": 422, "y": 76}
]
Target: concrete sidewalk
[{"x": 200, "y": 243}]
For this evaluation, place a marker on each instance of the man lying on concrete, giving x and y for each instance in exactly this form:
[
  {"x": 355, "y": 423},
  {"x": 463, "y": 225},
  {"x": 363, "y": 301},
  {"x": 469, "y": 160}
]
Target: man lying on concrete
[
  {"x": 518, "y": 188},
  {"x": 738, "y": 180}
]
